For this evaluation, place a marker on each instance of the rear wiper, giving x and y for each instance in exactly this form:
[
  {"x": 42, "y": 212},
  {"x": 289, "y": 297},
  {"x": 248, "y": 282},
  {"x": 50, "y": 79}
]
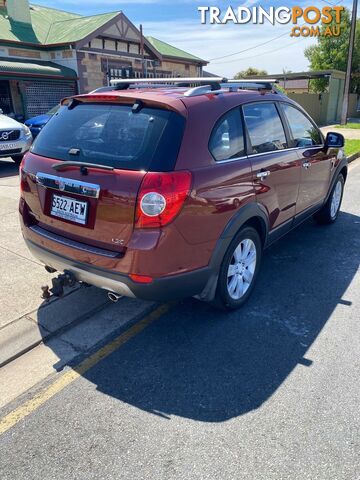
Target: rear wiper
[{"x": 84, "y": 165}]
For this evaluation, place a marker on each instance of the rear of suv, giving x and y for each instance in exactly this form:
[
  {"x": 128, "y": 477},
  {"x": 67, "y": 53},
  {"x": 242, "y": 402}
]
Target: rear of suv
[{"x": 161, "y": 193}]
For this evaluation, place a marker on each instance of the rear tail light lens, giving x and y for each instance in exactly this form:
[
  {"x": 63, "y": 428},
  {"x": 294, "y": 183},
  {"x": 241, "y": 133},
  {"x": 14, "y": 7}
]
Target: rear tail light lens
[
  {"x": 22, "y": 176},
  {"x": 152, "y": 204},
  {"x": 161, "y": 197},
  {"x": 140, "y": 278}
]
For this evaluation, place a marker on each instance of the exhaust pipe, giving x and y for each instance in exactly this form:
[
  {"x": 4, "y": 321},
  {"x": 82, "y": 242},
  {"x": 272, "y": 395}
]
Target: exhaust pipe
[{"x": 114, "y": 297}]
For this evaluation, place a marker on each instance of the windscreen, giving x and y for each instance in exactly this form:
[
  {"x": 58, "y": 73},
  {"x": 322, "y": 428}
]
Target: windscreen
[{"x": 112, "y": 135}]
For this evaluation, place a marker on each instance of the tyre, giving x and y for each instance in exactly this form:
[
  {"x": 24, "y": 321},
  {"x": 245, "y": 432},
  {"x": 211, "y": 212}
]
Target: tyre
[
  {"x": 330, "y": 211},
  {"x": 239, "y": 270},
  {"x": 17, "y": 159}
]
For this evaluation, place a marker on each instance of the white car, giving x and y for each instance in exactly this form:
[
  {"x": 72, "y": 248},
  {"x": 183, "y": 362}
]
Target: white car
[{"x": 15, "y": 138}]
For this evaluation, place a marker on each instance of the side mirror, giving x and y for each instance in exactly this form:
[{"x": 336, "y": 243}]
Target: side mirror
[{"x": 334, "y": 140}]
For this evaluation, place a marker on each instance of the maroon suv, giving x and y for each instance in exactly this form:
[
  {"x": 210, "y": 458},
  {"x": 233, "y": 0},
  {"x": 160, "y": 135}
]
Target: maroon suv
[{"x": 159, "y": 193}]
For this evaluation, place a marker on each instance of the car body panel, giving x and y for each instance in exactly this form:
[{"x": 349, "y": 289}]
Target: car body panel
[
  {"x": 277, "y": 192},
  {"x": 113, "y": 212},
  {"x": 317, "y": 166},
  {"x": 17, "y": 147},
  {"x": 36, "y": 124},
  {"x": 224, "y": 195}
]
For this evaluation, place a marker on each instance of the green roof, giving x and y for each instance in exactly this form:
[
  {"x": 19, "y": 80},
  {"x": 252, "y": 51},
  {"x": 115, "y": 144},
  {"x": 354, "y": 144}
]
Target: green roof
[
  {"x": 36, "y": 68},
  {"x": 68, "y": 31},
  {"x": 51, "y": 26},
  {"x": 170, "y": 51}
]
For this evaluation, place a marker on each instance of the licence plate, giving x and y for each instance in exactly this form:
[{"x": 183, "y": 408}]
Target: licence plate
[
  {"x": 7, "y": 146},
  {"x": 69, "y": 209}
]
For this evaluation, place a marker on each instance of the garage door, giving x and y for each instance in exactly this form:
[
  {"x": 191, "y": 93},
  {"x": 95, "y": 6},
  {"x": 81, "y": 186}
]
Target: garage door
[{"x": 40, "y": 97}]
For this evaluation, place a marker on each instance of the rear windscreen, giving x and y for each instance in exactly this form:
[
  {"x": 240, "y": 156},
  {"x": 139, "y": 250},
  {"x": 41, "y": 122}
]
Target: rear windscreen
[{"x": 113, "y": 135}]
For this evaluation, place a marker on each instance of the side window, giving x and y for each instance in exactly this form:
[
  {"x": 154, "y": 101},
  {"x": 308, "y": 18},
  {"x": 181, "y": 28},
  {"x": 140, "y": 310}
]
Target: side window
[
  {"x": 265, "y": 128},
  {"x": 303, "y": 131},
  {"x": 227, "y": 138}
]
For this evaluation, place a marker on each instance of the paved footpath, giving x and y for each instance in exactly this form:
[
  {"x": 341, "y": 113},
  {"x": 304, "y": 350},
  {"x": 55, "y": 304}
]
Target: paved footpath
[
  {"x": 270, "y": 392},
  {"x": 349, "y": 133}
]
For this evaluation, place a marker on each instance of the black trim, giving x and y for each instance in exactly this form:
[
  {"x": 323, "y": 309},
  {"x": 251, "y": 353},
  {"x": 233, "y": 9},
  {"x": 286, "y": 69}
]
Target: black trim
[
  {"x": 248, "y": 212},
  {"x": 280, "y": 231},
  {"x": 161, "y": 289},
  {"x": 305, "y": 214},
  {"x": 73, "y": 244},
  {"x": 342, "y": 164}
]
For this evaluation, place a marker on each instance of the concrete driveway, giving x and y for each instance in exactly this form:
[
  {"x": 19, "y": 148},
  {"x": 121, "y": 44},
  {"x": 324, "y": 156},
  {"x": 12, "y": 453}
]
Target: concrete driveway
[{"x": 270, "y": 392}]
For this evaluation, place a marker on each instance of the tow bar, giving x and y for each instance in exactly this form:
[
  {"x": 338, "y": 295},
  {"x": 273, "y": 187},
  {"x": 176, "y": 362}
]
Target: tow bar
[{"x": 66, "y": 279}]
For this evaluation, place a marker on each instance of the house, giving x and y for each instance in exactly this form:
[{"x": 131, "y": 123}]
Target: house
[
  {"x": 48, "y": 54},
  {"x": 295, "y": 86},
  {"x": 324, "y": 108}
]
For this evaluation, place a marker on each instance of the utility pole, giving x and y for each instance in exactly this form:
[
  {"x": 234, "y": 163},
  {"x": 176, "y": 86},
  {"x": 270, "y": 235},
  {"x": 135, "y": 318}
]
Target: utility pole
[{"x": 345, "y": 105}]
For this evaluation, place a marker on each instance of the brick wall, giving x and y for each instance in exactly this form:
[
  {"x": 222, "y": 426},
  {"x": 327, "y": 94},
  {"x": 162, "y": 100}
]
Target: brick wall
[
  {"x": 92, "y": 69},
  {"x": 90, "y": 72},
  {"x": 182, "y": 69}
]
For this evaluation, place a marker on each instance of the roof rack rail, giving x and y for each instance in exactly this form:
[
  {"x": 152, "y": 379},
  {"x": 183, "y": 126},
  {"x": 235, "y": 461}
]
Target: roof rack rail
[
  {"x": 251, "y": 84},
  {"x": 200, "y": 85},
  {"x": 188, "y": 80},
  {"x": 213, "y": 88},
  {"x": 233, "y": 86},
  {"x": 125, "y": 83}
]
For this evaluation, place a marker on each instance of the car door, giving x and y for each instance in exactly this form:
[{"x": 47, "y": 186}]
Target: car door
[
  {"x": 316, "y": 163},
  {"x": 275, "y": 166}
]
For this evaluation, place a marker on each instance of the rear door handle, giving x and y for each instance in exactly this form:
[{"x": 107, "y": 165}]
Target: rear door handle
[
  {"x": 306, "y": 164},
  {"x": 263, "y": 174}
]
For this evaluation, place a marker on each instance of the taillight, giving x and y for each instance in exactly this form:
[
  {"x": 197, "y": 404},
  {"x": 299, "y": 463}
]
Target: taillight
[
  {"x": 140, "y": 278},
  {"x": 22, "y": 176},
  {"x": 161, "y": 197}
]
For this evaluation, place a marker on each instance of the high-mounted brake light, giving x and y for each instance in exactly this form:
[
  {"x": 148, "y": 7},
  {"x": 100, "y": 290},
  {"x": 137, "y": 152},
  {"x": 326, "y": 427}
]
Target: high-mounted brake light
[{"x": 161, "y": 197}]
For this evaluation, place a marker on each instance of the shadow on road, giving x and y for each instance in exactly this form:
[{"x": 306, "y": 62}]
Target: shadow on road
[
  {"x": 8, "y": 168},
  {"x": 210, "y": 366}
]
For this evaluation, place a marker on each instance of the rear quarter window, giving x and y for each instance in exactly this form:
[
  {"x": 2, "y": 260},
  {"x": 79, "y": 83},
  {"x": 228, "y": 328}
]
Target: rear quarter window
[
  {"x": 227, "y": 138},
  {"x": 113, "y": 135}
]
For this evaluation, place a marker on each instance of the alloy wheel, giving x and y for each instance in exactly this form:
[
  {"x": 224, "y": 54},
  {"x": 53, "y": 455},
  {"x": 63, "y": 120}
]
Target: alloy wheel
[
  {"x": 241, "y": 269},
  {"x": 336, "y": 199}
]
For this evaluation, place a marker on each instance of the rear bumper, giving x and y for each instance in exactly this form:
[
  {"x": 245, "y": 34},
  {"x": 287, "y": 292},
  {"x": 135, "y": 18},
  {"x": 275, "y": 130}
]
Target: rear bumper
[{"x": 161, "y": 289}]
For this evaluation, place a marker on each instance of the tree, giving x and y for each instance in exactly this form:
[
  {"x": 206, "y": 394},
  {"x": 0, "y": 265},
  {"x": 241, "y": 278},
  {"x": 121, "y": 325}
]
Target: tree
[
  {"x": 331, "y": 52},
  {"x": 250, "y": 72}
]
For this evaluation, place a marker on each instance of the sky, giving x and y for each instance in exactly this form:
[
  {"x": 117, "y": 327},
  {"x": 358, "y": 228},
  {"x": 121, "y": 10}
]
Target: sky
[{"x": 178, "y": 22}]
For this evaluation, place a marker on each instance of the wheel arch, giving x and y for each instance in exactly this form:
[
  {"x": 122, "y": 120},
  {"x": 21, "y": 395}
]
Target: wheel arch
[
  {"x": 251, "y": 214},
  {"x": 344, "y": 172},
  {"x": 341, "y": 169}
]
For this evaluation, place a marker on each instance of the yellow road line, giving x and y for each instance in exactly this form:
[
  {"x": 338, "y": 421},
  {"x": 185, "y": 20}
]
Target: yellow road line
[{"x": 67, "y": 378}]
